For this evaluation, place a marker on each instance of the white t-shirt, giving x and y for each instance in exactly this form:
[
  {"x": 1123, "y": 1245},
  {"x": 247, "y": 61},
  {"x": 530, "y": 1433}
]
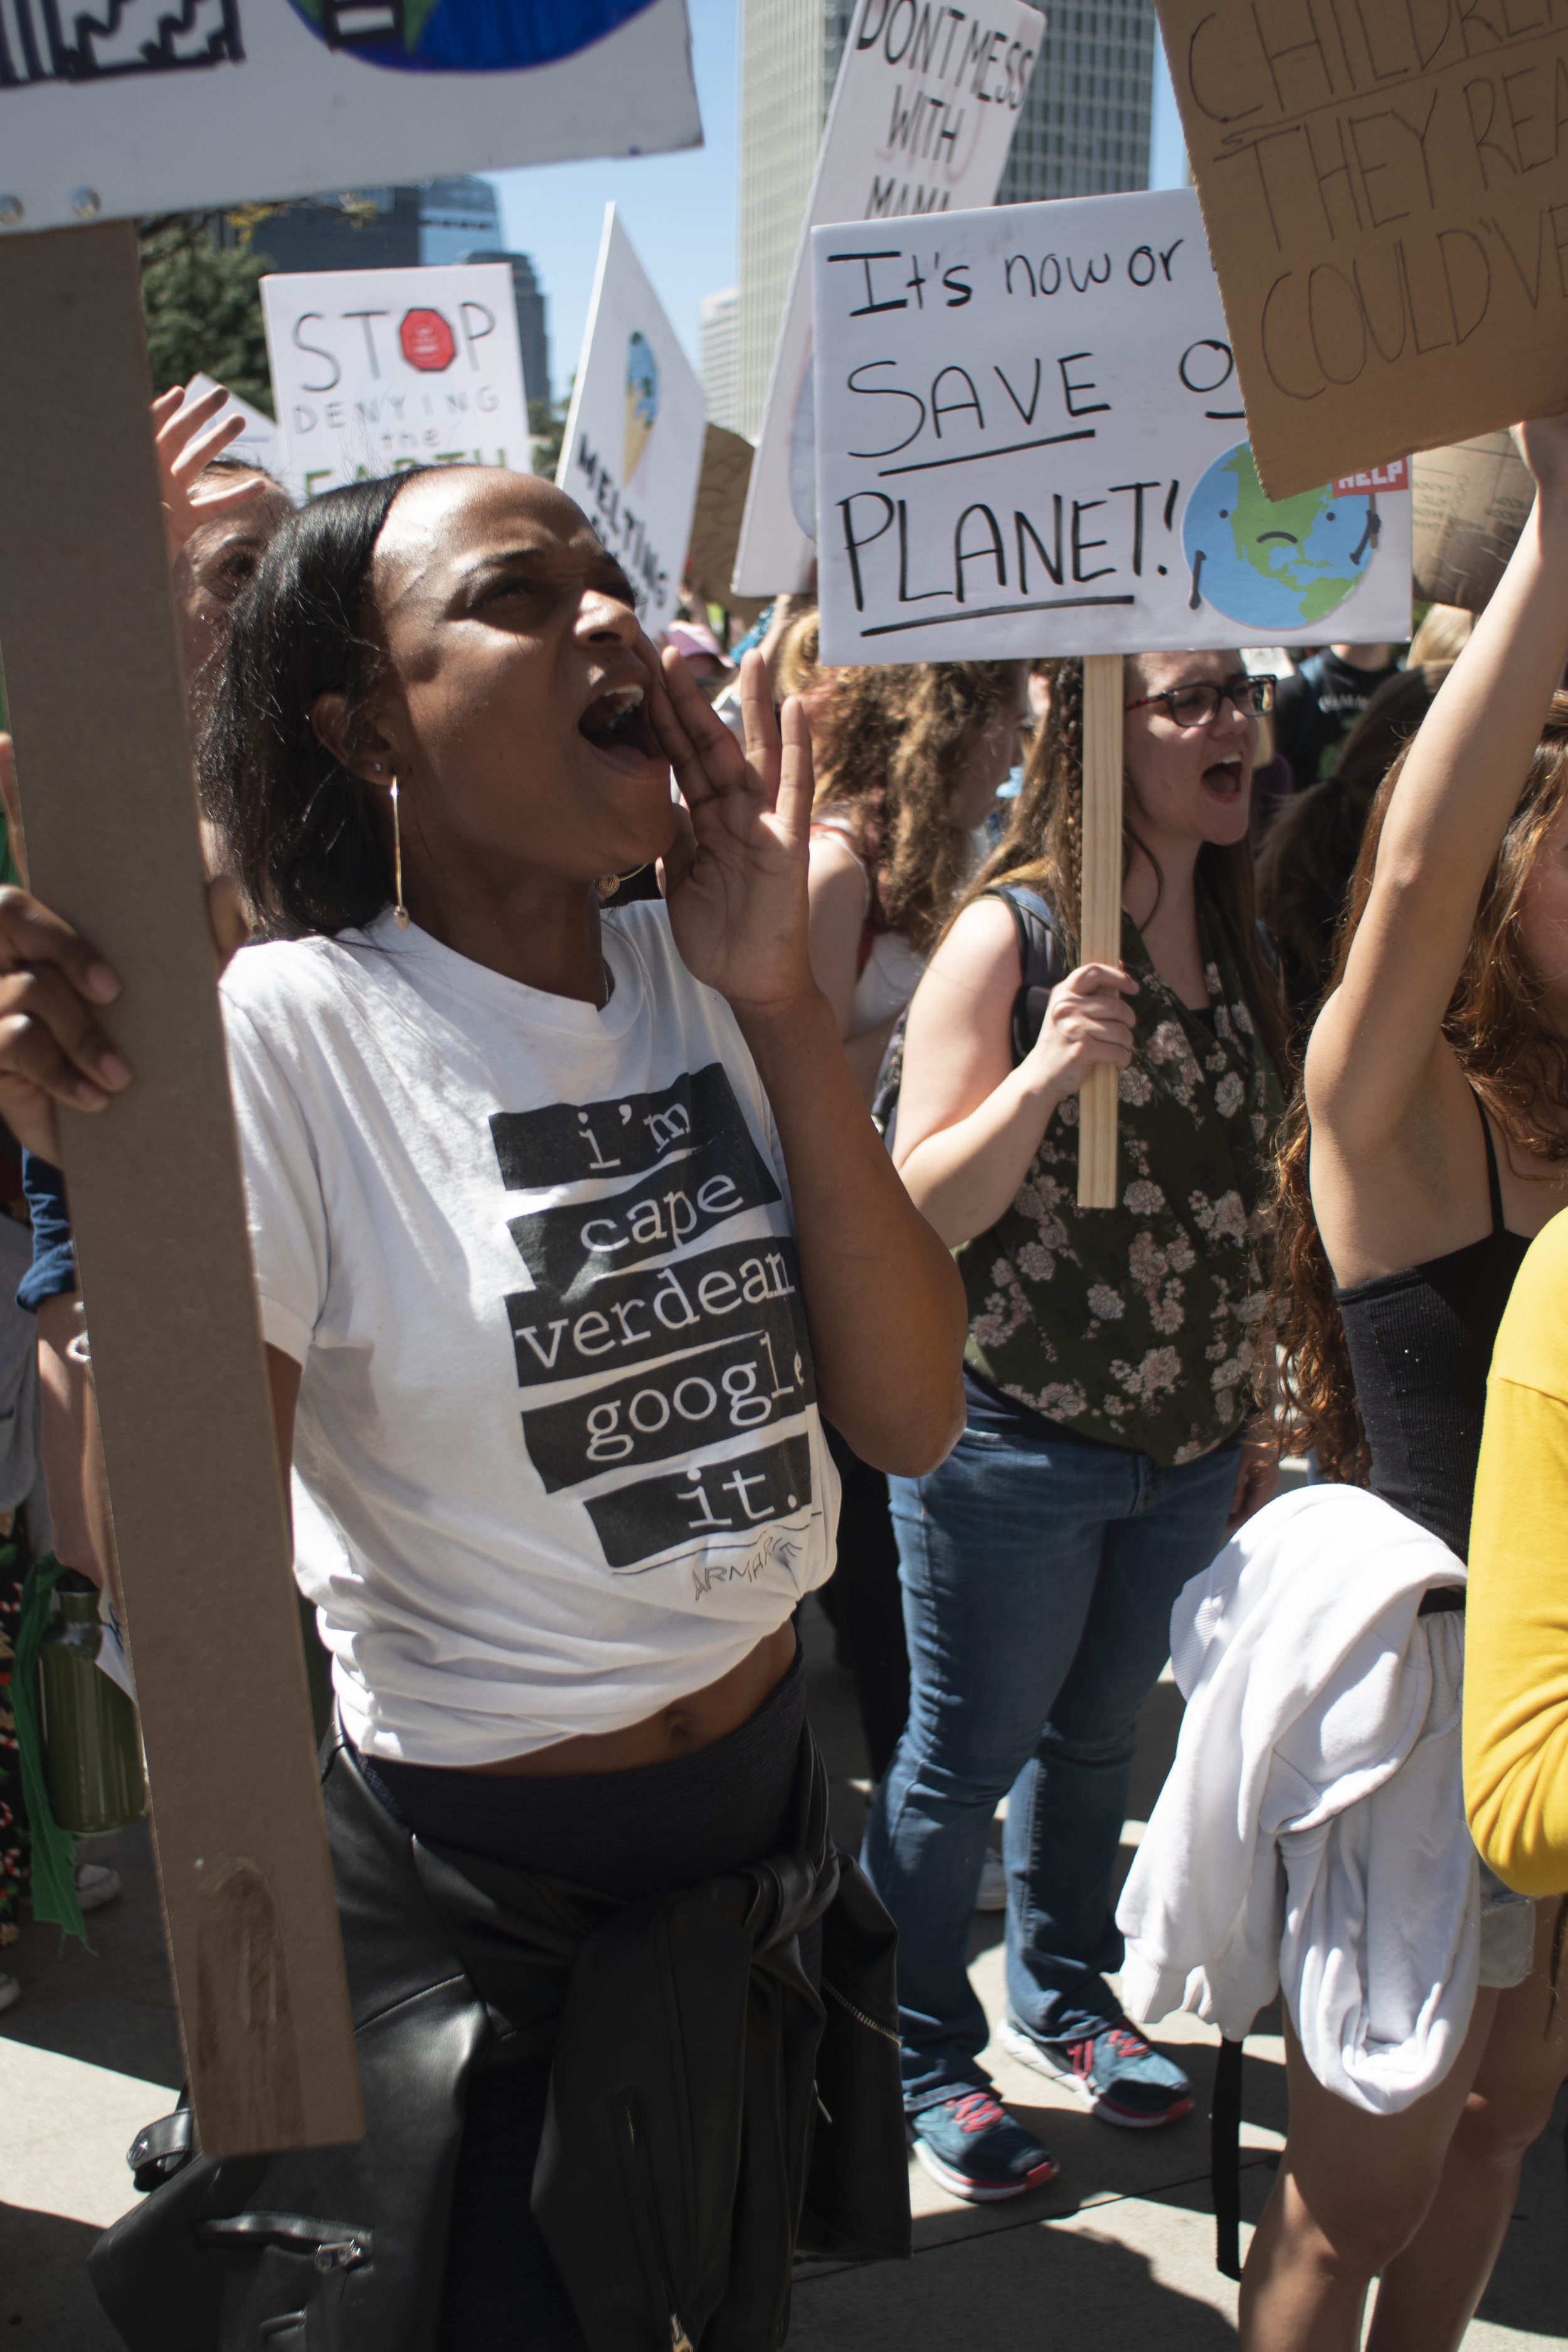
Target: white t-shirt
[{"x": 557, "y": 1461}]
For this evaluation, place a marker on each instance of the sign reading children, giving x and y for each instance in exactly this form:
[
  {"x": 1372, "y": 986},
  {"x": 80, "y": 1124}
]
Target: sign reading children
[
  {"x": 632, "y": 452},
  {"x": 1031, "y": 440},
  {"x": 1386, "y": 195},
  {"x": 378, "y": 370}
]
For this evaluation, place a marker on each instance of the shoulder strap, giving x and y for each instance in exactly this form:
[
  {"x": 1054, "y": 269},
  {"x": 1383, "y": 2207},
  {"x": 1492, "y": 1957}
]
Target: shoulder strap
[
  {"x": 1494, "y": 1182},
  {"x": 1042, "y": 952},
  {"x": 1043, "y": 959}
]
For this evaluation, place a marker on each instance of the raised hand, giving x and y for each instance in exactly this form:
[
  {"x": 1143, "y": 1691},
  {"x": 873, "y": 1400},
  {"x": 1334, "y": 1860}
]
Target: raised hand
[
  {"x": 1088, "y": 1021},
  {"x": 1544, "y": 444},
  {"x": 186, "y": 439},
  {"x": 735, "y": 878},
  {"x": 51, "y": 1047}
]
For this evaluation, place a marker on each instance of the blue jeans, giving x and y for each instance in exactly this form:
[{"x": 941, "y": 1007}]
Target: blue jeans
[{"x": 1038, "y": 1578}]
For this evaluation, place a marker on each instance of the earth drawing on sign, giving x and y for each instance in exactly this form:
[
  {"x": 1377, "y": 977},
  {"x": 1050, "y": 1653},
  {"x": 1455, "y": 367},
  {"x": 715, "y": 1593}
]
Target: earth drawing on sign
[
  {"x": 642, "y": 400},
  {"x": 464, "y": 35},
  {"x": 1274, "y": 565}
]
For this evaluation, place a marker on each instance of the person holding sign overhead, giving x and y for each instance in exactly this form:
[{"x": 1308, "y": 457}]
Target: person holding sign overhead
[
  {"x": 1109, "y": 1368},
  {"x": 1431, "y": 1145}
]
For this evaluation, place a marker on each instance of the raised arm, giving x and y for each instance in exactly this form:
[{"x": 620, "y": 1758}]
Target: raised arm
[
  {"x": 1373, "y": 1051},
  {"x": 970, "y": 1122},
  {"x": 883, "y": 1298}
]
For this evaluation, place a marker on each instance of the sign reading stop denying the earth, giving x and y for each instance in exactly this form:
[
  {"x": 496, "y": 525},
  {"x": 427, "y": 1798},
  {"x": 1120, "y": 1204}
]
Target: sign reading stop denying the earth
[{"x": 375, "y": 370}]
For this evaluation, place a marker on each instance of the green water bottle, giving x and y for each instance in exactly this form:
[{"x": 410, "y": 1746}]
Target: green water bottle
[{"x": 92, "y": 1749}]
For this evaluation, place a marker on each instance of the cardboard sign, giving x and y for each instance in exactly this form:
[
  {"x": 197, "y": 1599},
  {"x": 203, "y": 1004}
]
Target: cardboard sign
[
  {"x": 1030, "y": 441},
  {"x": 1469, "y": 506},
  {"x": 260, "y": 444},
  {"x": 632, "y": 450},
  {"x": 201, "y": 1528},
  {"x": 140, "y": 109},
  {"x": 922, "y": 117},
  {"x": 374, "y": 371},
  {"x": 1386, "y": 195}
]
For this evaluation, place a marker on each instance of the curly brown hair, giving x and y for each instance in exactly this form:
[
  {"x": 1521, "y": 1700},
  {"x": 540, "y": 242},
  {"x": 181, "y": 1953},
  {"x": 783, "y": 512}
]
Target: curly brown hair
[
  {"x": 1309, "y": 855},
  {"x": 1517, "y": 1063},
  {"x": 1043, "y": 847},
  {"x": 891, "y": 748}
]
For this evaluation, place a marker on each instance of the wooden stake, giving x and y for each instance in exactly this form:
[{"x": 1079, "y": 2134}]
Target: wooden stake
[
  {"x": 1100, "y": 934},
  {"x": 200, "y": 1524}
]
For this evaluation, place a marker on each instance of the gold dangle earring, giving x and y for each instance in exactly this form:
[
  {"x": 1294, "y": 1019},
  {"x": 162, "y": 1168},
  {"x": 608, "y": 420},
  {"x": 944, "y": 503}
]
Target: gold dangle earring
[{"x": 399, "y": 911}]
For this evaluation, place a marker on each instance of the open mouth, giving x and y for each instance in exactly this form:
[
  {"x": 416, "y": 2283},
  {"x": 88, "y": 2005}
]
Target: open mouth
[
  {"x": 1226, "y": 778},
  {"x": 618, "y": 725}
]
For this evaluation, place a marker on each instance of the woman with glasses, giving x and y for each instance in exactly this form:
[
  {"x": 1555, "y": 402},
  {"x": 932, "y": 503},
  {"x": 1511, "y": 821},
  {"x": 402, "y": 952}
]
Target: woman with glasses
[{"x": 1107, "y": 1370}]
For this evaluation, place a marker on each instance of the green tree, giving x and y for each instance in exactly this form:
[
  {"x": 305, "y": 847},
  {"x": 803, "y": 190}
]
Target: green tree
[
  {"x": 546, "y": 430},
  {"x": 201, "y": 307}
]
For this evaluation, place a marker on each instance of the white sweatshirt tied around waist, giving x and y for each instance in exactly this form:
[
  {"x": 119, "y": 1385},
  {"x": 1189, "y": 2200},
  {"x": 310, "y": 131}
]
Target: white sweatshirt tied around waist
[{"x": 1311, "y": 1835}]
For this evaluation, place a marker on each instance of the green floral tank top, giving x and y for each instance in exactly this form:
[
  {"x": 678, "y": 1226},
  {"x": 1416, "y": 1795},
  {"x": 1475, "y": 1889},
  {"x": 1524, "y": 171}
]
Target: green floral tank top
[{"x": 1137, "y": 1325}]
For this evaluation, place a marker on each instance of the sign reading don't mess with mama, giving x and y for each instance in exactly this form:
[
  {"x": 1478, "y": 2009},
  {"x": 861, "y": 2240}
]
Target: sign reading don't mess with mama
[{"x": 1030, "y": 440}]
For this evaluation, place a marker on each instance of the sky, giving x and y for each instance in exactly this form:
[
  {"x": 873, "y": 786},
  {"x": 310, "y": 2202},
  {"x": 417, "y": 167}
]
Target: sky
[{"x": 680, "y": 211}]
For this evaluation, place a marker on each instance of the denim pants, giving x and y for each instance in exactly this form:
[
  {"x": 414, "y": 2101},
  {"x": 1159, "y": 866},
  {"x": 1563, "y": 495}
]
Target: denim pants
[{"x": 1038, "y": 1578}]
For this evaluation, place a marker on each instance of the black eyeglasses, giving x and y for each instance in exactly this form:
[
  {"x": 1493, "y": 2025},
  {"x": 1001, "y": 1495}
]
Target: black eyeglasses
[{"x": 1198, "y": 705}]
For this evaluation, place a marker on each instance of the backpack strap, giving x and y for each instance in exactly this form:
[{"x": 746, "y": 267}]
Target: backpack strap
[{"x": 1043, "y": 960}]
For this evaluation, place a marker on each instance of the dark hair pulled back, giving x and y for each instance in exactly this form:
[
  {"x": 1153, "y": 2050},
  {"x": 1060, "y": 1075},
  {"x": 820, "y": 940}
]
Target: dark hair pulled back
[{"x": 301, "y": 830}]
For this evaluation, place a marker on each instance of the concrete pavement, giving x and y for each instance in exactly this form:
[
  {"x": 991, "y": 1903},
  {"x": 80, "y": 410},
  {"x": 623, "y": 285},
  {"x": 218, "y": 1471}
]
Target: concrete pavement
[{"x": 1118, "y": 2249}]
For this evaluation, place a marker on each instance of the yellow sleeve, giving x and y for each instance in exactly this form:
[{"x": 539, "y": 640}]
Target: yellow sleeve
[{"x": 1516, "y": 1627}]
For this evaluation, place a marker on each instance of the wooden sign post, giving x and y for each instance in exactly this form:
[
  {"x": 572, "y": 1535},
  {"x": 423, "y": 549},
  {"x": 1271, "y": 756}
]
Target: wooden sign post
[
  {"x": 201, "y": 1530},
  {"x": 103, "y": 122},
  {"x": 1099, "y": 921}
]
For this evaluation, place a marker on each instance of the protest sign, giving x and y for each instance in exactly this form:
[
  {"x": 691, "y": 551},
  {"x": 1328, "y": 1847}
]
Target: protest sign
[
  {"x": 377, "y": 369},
  {"x": 631, "y": 451},
  {"x": 923, "y": 113},
  {"x": 148, "y": 110},
  {"x": 716, "y": 522},
  {"x": 1030, "y": 441},
  {"x": 1386, "y": 196},
  {"x": 1468, "y": 506},
  {"x": 260, "y": 444}
]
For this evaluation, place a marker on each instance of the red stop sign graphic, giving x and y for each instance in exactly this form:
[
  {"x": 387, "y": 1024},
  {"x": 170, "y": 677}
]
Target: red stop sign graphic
[{"x": 426, "y": 341}]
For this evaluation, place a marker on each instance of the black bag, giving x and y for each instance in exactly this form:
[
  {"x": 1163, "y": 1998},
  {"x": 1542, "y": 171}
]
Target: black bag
[{"x": 1043, "y": 964}]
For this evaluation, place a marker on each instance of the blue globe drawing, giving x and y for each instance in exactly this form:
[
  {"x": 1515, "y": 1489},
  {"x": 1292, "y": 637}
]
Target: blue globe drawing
[
  {"x": 464, "y": 35},
  {"x": 1270, "y": 563}
]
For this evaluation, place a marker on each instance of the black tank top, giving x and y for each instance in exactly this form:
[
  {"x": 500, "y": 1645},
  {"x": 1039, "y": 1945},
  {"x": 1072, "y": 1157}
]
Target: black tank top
[{"x": 1420, "y": 1345}]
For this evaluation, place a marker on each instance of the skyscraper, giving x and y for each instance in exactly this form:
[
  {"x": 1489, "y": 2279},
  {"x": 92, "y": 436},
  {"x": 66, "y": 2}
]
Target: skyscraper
[
  {"x": 459, "y": 220},
  {"x": 532, "y": 322},
  {"x": 1083, "y": 130},
  {"x": 720, "y": 356}
]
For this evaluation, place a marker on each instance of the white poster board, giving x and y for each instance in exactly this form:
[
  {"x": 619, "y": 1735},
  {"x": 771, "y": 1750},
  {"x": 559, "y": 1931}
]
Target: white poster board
[
  {"x": 1030, "y": 441},
  {"x": 632, "y": 452},
  {"x": 377, "y": 369},
  {"x": 923, "y": 117},
  {"x": 139, "y": 107},
  {"x": 260, "y": 444}
]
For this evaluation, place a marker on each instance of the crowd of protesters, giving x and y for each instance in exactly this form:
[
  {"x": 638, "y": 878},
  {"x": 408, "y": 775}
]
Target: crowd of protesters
[{"x": 663, "y": 1200}]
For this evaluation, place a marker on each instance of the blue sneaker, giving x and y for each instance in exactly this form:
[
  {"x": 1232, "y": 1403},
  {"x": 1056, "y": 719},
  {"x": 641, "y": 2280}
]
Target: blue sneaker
[
  {"x": 1118, "y": 2074},
  {"x": 971, "y": 2146}
]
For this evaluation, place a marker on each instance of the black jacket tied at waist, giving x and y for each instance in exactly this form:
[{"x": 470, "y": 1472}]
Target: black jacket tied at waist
[{"x": 710, "y": 2113}]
